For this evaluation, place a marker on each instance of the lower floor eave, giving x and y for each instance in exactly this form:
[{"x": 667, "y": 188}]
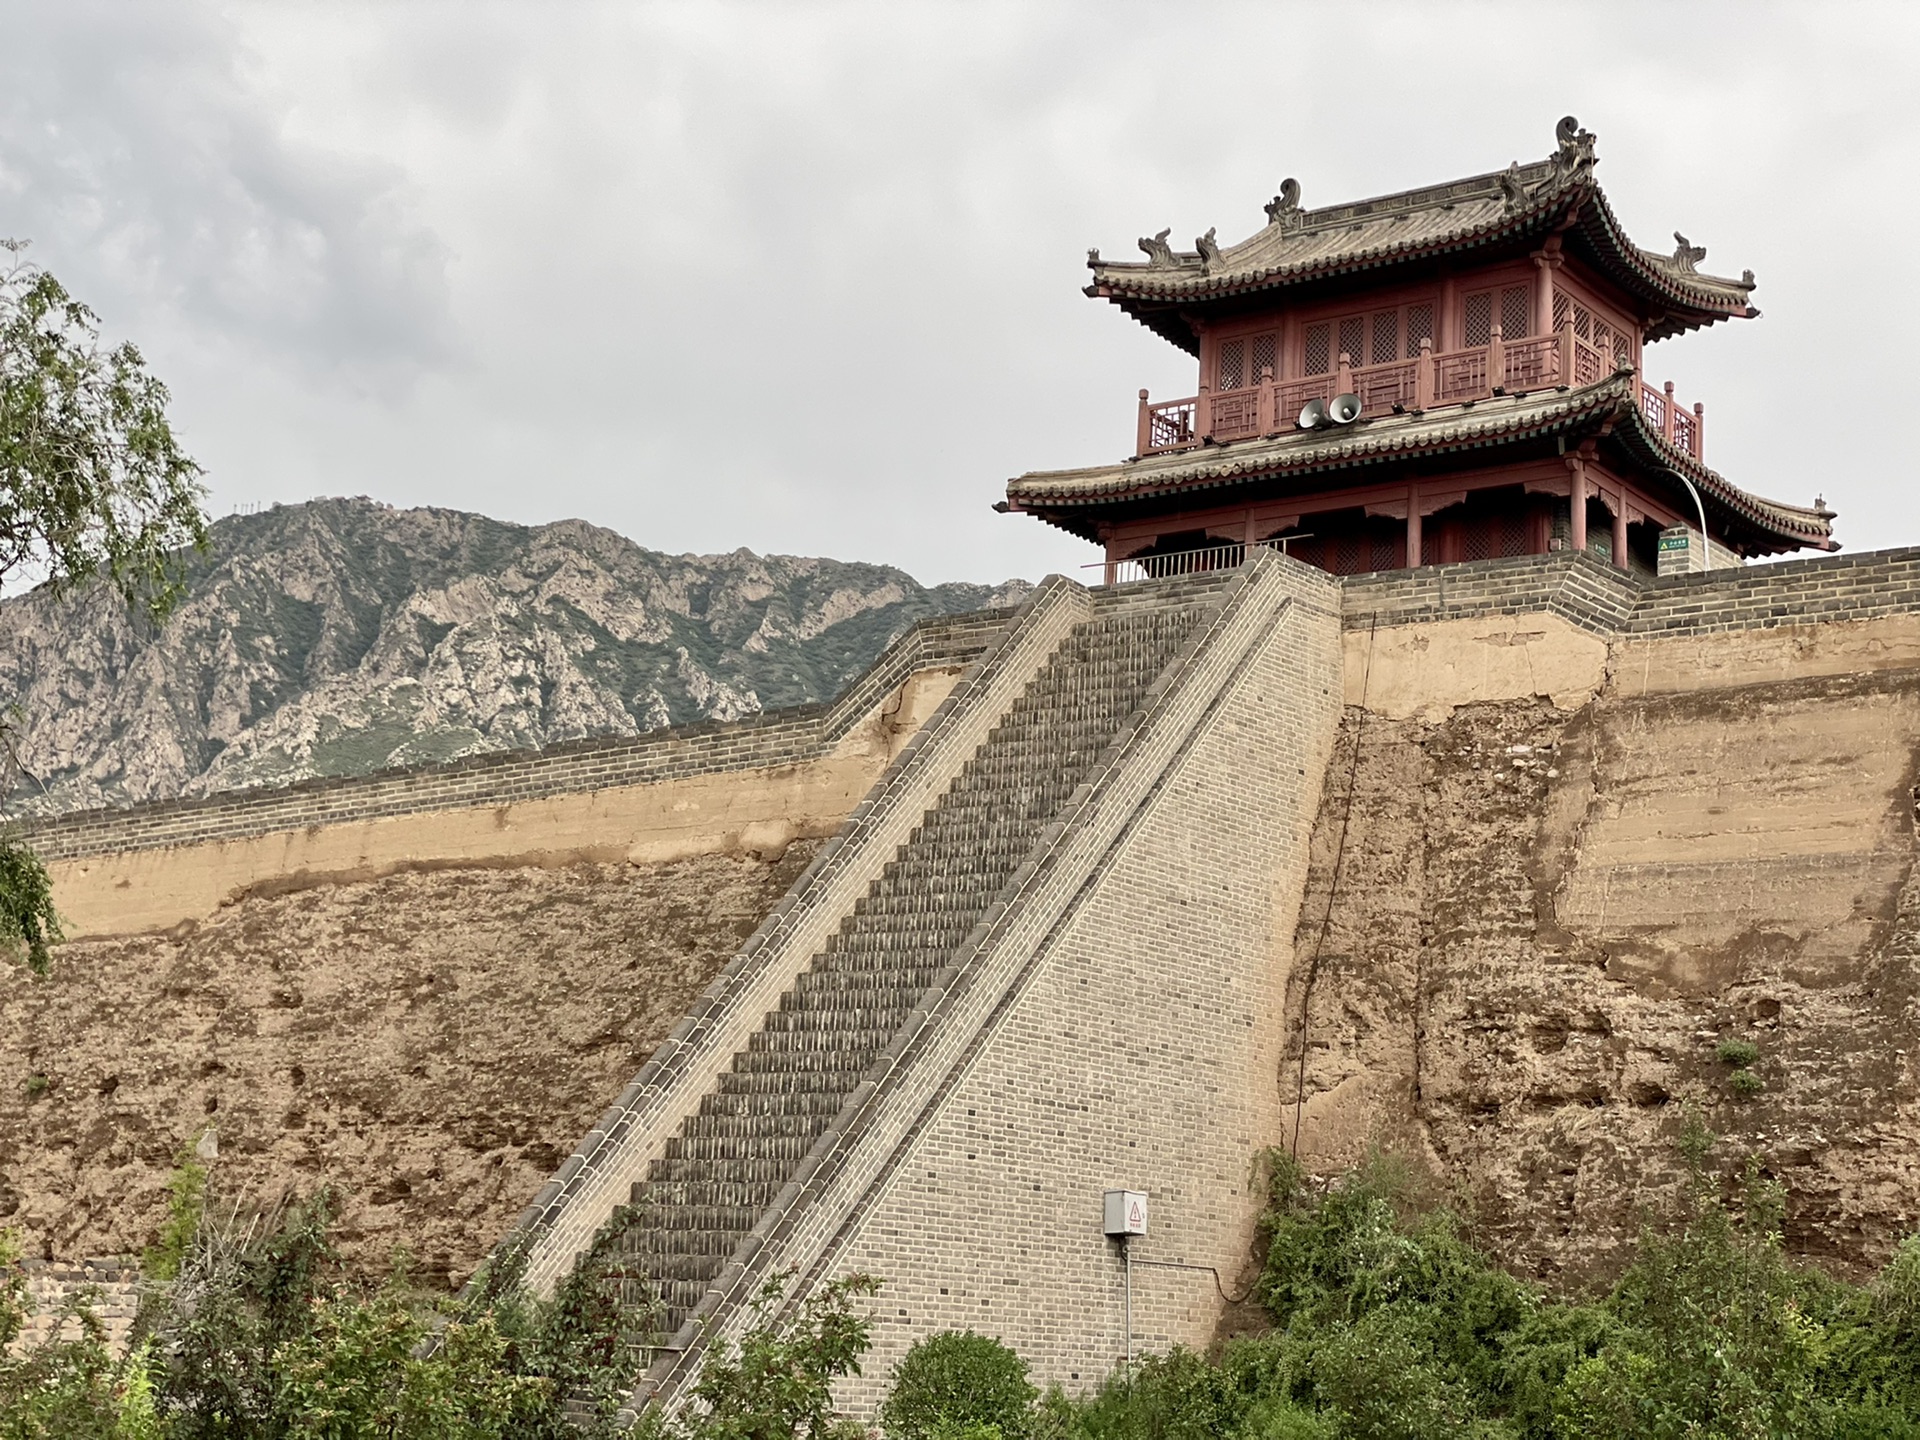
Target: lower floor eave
[{"x": 1598, "y": 419}]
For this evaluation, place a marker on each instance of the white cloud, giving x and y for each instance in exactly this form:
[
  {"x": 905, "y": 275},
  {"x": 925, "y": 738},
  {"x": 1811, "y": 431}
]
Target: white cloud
[{"x": 806, "y": 277}]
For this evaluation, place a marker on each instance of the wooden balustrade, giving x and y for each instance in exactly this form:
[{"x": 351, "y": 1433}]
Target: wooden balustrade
[{"x": 1500, "y": 367}]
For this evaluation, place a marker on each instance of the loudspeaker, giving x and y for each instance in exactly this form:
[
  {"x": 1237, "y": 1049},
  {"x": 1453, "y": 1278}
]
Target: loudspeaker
[
  {"x": 1312, "y": 415},
  {"x": 1343, "y": 409}
]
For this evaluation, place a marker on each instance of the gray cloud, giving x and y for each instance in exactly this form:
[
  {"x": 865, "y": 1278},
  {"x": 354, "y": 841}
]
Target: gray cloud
[
  {"x": 806, "y": 277},
  {"x": 138, "y": 153}
]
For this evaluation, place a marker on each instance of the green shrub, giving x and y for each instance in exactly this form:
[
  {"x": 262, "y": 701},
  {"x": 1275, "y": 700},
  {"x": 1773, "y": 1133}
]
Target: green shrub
[
  {"x": 1283, "y": 1420},
  {"x": 964, "y": 1430},
  {"x": 37, "y": 1085},
  {"x": 186, "y": 1202},
  {"x": 1737, "y": 1053},
  {"x": 957, "y": 1379},
  {"x": 1745, "y": 1083},
  {"x": 1390, "y": 1325},
  {"x": 777, "y": 1384}
]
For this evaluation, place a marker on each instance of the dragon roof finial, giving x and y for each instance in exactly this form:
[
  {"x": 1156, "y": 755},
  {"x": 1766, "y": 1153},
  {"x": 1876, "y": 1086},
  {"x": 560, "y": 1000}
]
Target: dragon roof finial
[
  {"x": 1284, "y": 209},
  {"x": 1159, "y": 253},
  {"x": 1575, "y": 150}
]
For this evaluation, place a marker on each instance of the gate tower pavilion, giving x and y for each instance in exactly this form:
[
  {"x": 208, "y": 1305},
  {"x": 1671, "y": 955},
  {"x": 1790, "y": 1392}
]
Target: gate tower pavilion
[{"x": 1490, "y": 334}]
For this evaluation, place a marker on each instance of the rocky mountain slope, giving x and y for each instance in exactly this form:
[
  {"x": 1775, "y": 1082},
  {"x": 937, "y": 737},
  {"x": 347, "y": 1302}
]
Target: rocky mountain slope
[{"x": 344, "y": 636}]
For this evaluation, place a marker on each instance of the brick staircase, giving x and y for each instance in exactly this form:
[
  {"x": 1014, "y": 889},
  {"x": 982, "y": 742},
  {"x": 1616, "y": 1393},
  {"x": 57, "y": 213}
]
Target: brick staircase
[{"x": 728, "y": 1162}]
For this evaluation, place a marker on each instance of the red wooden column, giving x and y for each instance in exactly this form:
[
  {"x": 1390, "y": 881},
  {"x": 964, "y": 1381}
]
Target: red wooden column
[
  {"x": 1546, "y": 260},
  {"x": 1620, "y": 533},
  {"x": 1577, "y": 494},
  {"x": 1413, "y": 524}
]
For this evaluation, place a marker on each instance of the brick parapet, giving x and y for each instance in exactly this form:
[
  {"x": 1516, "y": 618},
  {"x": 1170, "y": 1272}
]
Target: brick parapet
[
  {"x": 1609, "y": 602},
  {"x": 516, "y": 776}
]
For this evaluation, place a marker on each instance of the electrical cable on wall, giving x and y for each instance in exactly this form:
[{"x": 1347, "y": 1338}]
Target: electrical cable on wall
[{"x": 1333, "y": 889}]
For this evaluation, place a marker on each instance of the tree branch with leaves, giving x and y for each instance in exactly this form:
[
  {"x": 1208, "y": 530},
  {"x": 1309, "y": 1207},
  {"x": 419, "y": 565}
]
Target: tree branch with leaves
[{"x": 94, "y": 487}]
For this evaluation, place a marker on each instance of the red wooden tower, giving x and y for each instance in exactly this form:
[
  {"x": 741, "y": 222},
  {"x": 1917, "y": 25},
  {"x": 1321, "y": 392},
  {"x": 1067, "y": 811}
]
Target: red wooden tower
[{"x": 1451, "y": 373}]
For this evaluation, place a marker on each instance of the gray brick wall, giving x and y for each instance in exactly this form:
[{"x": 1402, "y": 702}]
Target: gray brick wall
[
  {"x": 1137, "y": 1050},
  {"x": 1117, "y": 1023}
]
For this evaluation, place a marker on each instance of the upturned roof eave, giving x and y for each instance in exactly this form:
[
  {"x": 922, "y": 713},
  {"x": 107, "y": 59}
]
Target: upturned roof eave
[
  {"x": 1796, "y": 525},
  {"x": 1178, "y": 474},
  {"x": 1608, "y": 404},
  {"x": 1579, "y": 204}
]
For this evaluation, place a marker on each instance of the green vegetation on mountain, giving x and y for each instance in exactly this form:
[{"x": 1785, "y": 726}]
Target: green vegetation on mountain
[{"x": 339, "y": 637}]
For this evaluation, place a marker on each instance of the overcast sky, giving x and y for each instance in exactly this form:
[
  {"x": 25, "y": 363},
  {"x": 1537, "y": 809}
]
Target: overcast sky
[{"x": 806, "y": 278}]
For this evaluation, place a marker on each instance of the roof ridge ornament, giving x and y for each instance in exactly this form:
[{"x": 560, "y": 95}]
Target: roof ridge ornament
[
  {"x": 1687, "y": 256},
  {"x": 1512, "y": 189},
  {"x": 1208, "y": 247},
  {"x": 1284, "y": 209},
  {"x": 1575, "y": 153},
  {"x": 1159, "y": 254}
]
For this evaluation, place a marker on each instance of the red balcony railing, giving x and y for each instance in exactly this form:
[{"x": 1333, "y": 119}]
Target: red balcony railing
[{"x": 1500, "y": 367}]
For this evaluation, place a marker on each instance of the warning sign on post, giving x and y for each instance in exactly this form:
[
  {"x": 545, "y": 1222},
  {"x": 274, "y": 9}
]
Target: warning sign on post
[{"x": 1126, "y": 1212}]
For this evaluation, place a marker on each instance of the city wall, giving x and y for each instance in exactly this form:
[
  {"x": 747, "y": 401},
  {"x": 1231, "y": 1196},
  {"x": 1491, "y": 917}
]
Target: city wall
[{"x": 1537, "y": 756}]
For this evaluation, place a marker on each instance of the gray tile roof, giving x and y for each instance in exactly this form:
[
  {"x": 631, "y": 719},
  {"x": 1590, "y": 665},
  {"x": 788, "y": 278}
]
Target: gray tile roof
[
  {"x": 1520, "y": 202},
  {"x": 1501, "y": 420}
]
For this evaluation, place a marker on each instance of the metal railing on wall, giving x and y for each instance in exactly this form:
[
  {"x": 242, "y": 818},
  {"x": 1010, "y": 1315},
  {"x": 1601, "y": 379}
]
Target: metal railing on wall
[{"x": 1204, "y": 561}]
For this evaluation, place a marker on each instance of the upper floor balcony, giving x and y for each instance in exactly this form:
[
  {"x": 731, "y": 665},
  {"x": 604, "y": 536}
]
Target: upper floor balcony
[{"x": 1500, "y": 367}]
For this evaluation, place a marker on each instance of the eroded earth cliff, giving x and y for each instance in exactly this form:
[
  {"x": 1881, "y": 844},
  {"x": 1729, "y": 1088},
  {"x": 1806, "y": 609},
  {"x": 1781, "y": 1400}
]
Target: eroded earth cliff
[
  {"x": 430, "y": 1044},
  {"x": 1547, "y": 920}
]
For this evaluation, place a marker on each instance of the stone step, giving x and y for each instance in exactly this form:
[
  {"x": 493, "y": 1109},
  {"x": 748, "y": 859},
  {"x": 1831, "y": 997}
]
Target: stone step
[{"x": 729, "y": 1160}]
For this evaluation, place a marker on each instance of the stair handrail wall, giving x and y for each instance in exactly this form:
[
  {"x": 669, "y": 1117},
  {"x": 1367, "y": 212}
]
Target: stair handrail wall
[
  {"x": 812, "y": 1217},
  {"x": 595, "y": 1180}
]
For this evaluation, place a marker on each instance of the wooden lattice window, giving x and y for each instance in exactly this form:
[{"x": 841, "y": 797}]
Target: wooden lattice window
[
  {"x": 1244, "y": 359},
  {"x": 1419, "y": 327},
  {"x": 1384, "y": 341},
  {"x": 1477, "y": 327},
  {"x": 1266, "y": 357},
  {"x": 1512, "y": 304},
  {"x": 1606, "y": 337},
  {"x": 1232, "y": 370},
  {"x": 1516, "y": 312},
  {"x": 1378, "y": 337},
  {"x": 1317, "y": 350},
  {"x": 1353, "y": 339}
]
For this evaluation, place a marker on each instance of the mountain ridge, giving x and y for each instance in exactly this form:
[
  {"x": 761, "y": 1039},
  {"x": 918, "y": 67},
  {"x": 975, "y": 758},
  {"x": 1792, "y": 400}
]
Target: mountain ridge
[{"x": 344, "y": 636}]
